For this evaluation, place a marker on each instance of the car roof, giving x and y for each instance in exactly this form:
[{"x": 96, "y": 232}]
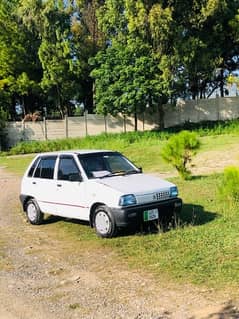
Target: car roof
[{"x": 83, "y": 152}]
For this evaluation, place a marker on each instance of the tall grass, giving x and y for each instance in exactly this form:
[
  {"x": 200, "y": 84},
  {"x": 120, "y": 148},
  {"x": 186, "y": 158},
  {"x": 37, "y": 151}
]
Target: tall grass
[
  {"x": 122, "y": 141},
  {"x": 102, "y": 141}
]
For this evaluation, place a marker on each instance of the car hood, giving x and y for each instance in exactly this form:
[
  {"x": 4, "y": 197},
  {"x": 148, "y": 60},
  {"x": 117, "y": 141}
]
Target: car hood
[{"x": 135, "y": 183}]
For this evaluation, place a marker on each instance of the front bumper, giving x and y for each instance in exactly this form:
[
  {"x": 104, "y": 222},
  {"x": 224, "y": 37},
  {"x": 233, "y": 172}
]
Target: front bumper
[{"x": 133, "y": 215}]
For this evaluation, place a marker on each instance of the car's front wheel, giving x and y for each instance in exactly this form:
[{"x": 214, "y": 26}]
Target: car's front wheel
[
  {"x": 33, "y": 212},
  {"x": 104, "y": 222}
]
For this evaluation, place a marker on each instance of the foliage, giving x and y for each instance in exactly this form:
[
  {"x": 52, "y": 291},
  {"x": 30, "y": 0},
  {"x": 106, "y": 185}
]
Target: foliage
[
  {"x": 133, "y": 73},
  {"x": 128, "y": 79},
  {"x": 130, "y": 54},
  {"x": 229, "y": 186},
  {"x": 179, "y": 151},
  {"x": 206, "y": 45},
  {"x": 19, "y": 71}
]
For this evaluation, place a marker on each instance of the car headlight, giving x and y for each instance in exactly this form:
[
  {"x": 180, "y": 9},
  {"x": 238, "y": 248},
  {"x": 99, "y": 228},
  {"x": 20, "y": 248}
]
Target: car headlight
[
  {"x": 127, "y": 200},
  {"x": 173, "y": 191}
]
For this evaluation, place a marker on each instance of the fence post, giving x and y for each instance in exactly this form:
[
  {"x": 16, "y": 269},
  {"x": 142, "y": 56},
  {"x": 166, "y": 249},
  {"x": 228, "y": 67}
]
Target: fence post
[
  {"x": 45, "y": 128},
  {"x": 124, "y": 123},
  {"x": 66, "y": 126},
  {"x": 105, "y": 118},
  {"x": 86, "y": 124},
  {"x": 23, "y": 131}
]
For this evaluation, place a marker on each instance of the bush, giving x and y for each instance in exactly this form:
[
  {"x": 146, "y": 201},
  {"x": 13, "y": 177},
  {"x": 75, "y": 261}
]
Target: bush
[
  {"x": 179, "y": 151},
  {"x": 229, "y": 187}
]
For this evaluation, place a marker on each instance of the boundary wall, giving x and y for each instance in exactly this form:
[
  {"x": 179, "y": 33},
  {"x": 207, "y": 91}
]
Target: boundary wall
[{"x": 92, "y": 124}]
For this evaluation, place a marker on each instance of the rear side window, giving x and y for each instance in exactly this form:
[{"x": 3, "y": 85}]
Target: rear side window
[{"x": 45, "y": 168}]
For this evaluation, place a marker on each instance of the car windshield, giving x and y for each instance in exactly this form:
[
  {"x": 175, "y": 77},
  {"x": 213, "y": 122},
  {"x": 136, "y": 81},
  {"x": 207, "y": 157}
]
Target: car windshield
[{"x": 106, "y": 164}]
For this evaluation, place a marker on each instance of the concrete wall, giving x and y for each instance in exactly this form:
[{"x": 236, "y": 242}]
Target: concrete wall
[
  {"x": 201, "y": 110},
  {"x": 91, "y": 124}
]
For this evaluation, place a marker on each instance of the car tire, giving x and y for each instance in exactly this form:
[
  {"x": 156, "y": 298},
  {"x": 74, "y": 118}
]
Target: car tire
[
  {"x": 104, "y": 222},
  {"x": 33, "y": 212}
]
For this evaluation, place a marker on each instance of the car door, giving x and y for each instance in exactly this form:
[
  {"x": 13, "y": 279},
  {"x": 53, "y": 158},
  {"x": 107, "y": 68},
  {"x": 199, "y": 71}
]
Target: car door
[
  {"x": 70, "y": 195},
  {"x": 43, "y": 185}
]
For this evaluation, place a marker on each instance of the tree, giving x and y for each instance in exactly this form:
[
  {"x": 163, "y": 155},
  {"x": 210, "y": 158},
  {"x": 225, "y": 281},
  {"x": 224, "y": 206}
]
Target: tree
[
  {"x": 87, "y": 40},
  {"x": 18, "y": 60},
  {"x": 51, "y": 21},
  {"x": 206, "y": 45},
  {"x": 132, "y": 73},
  {"x": 68, "y": 36}
]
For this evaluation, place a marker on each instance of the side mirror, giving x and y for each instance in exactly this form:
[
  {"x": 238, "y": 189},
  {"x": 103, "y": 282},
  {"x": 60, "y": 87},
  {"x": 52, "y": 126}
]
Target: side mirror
[
  {"x": 75, "y": 177},
  {"x": 140, "y": 169}
]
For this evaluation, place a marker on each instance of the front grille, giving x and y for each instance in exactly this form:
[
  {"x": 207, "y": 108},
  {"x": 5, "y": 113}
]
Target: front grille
[{"x": 161, "y": 195}]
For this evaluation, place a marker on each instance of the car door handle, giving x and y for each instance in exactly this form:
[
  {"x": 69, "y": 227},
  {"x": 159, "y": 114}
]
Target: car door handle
[
  {"x": 58, "y": 185},
  {"x": 34, "y": 183}
]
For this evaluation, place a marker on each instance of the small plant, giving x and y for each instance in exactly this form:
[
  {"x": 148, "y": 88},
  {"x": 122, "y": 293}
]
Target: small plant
[
  {"x": 229, "y": 187},
  {"x": 179, "y": 151},
  {"x": 74, "y": 306}
]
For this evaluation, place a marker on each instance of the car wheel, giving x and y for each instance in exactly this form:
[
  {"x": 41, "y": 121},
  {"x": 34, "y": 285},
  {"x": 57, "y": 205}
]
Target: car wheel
[
  {"x": 104, "y": 222},
  {"x": 34, "y": 214}
]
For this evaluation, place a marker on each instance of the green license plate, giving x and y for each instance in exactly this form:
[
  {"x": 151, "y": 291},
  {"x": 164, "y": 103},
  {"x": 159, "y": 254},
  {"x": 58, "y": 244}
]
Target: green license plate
[{"x": 151, "y": 214}]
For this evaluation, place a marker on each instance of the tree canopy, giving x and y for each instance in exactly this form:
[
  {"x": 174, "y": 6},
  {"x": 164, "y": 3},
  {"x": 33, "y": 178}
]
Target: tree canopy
[{"x": 114, "y": 56}]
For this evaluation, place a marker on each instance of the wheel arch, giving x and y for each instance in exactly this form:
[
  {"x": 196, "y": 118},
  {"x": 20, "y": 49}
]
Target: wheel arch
[
  {"x": 24, "y": 203},
  {"x": 92, "y": 211}
]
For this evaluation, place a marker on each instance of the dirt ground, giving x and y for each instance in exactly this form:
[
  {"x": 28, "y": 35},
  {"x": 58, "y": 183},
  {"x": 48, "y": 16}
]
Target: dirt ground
[{"x": 44, "y": 276}]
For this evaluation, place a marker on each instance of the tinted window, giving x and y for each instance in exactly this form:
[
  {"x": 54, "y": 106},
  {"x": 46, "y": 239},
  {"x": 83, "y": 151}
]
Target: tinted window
[
  {"x": 45, "y": 168},
  {"x": 67, "y": 167}
]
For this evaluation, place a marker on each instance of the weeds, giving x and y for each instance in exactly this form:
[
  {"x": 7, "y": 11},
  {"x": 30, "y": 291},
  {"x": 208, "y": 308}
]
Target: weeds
[
  {"x": 229, "y": 186},
  {"x": 123, "y": 141}
]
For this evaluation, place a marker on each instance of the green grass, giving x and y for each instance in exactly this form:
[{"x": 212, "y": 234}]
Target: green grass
[
  {"x": 16, "y": 164},
  {"x": 203, "y": 249},
  {"x": 219, "y": 142}
]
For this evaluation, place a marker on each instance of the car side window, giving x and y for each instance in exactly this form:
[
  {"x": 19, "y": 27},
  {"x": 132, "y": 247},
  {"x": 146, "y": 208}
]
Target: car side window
[
  {"x": 67, "y": 168},
  {"x": 45, "y": 168}
]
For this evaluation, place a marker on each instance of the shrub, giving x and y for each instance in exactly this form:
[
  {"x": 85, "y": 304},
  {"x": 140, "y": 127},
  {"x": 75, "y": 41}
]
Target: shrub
[
  {"x": 179, "y": 151},
  {"x": 229, "y": 187}
]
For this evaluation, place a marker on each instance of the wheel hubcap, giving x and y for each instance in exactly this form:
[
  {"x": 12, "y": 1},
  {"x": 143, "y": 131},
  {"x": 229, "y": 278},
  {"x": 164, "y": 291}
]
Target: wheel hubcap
[
  {"x": 102, "y": 223},
  {"x": 31, "y": 211}
]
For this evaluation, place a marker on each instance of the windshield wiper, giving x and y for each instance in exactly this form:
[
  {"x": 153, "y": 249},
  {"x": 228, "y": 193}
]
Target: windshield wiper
[
  {"x": 132, "y": 171},
  {"x": 121, "y": 173},
  {"x": 115, "y": 173}
]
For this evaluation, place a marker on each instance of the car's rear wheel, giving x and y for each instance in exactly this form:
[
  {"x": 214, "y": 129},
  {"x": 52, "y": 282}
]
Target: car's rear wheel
[
  {"x": 104, "y": 222},
  {"x": 33, "y": 212}
]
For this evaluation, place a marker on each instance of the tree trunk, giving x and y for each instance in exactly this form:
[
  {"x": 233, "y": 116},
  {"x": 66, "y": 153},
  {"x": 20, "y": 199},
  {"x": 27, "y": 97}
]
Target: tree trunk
[
  {"x": 135, "y": 122},
  {"x": 221, "y": 83},
  {"x": 59, "y": 104}
]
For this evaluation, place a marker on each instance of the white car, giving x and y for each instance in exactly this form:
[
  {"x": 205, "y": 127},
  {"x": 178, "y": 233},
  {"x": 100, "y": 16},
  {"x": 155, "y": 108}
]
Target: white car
[{"x": 99, "y": 186}]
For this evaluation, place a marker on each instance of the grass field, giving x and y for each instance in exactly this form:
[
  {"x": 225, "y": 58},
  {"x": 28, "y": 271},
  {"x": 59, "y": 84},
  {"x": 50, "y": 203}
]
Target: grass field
[{"x": 203, "y": 248}]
